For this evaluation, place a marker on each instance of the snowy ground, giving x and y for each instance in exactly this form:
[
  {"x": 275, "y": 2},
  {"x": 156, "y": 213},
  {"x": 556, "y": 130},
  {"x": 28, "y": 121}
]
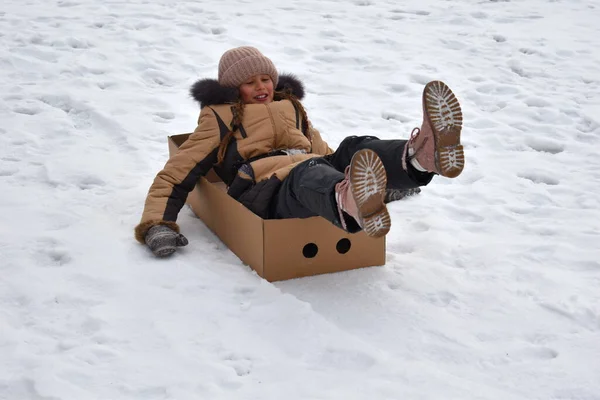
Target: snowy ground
[{"x": 491, "y": 285}]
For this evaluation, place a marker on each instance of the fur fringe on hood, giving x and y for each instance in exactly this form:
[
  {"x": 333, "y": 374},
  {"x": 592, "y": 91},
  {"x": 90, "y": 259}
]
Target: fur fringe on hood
[{"x": 208, "y": 92}]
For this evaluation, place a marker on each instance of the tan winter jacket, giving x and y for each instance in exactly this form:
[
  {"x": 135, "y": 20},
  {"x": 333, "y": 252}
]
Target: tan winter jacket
[{"x": 265, "y": 129}]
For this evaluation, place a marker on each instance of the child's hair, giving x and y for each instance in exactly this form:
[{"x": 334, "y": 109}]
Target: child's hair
[{"x": 238, "y": 115}]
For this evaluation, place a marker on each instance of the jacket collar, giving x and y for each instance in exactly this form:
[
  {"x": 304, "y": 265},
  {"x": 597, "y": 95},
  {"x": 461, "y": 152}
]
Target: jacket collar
[{"x": 208, "y": 92}]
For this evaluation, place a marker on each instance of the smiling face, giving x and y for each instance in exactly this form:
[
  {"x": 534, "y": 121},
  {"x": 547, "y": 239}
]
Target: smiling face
[{"x": 257, "y": 90}]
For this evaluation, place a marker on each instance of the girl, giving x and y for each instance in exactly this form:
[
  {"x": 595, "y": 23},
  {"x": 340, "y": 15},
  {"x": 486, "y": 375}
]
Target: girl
[{"x": 256, "y": 134}]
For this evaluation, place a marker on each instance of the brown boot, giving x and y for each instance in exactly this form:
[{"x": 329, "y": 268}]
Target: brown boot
[
  {"x": 362, "y": 192},
  {"x": 436, "y": 146}
]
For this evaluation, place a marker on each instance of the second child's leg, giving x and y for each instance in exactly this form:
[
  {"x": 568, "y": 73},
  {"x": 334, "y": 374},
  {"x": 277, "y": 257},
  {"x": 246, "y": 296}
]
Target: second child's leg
[{"x": 390, "y": 152}]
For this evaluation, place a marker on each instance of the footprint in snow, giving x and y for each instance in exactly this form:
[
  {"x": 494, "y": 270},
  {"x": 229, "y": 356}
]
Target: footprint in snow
[
  {"x": 587, "y": 265},
  {"x": 539, "y": 177},
  {"x": 420, "y": 227},
  {"x": 545, "y": 145},
  {"x": 244, "y": 290},
  {"x": 218, "y": 31},
  {"x": 399, "y": 88},
  {"x": 453, "y": 44},
  {"x": 441, "y": 298},
  {"x": 479, "y": 15},
  {"x": 528, "y": 51},
  {"x": 89, "y": 182},
  {"x": 157, "y": 77},
  {"x": 76, "y": 43},
  {"x": 331, "y": 34},
  {"x": 106, "y": 85},
  {"x": 537, "y": 102},
  {"x": 7, "y": 171},
  {"x": 241, "y": 365},
  {"x": 68, "y": 4},
  {"x": 583, "y": 316},
  {"x": 532, "y": 353},
  {"x": 518, "y": 69},
  {"x": 333, "y": 48},
  {"x": 587, "y": 125},
  {"x": 420, "y": 79},
  {"x": 50, "y": 253},
  {"x": 390, "y": 115},
  {"x": 397, "y": 17},
  {"x": 32, "y": 109},
  {"x": 163, "y": 116},
  {"x": 417, "y": 12}
]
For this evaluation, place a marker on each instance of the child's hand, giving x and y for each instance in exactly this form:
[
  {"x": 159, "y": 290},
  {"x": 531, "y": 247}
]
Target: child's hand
[{"x": 163, "y": 241}]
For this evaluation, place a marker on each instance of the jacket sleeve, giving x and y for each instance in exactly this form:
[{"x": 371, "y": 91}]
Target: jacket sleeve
[
  {"x": 319, "y": 146},
  {"x": 170, "y": 188}
]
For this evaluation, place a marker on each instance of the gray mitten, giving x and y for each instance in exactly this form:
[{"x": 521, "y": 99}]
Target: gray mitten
[
  {"x": 399, "y": 194},
  {"x": 163, "y": 241}
]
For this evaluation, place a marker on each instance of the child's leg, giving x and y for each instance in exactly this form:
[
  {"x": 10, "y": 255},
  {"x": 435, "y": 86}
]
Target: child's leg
[
  {"x": 350, "y": 200},
  {"x": 308, "y": 191},
  {"x": 433, "y": 149},
  {"x": 390, "y": 152}
]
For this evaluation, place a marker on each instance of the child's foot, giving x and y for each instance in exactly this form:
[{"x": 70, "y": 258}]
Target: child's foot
[
  {"x": 436, "y": 146},
  {"x": 362, "y": 192}
]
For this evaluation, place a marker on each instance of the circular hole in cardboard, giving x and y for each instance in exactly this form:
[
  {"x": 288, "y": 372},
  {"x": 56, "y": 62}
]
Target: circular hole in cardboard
[
  {"x": 343, "y": 246},
  {"x": 310, "y": 250}
]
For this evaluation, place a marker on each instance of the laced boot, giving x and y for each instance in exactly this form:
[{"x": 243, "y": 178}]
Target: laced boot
[
  {"x": 436, "y": 146},
  {"x": 361, "y": 193}
]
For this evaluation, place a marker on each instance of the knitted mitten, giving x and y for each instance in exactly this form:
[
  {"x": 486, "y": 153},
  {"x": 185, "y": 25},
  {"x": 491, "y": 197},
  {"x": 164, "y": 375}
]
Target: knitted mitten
[
  {"x": 399, "y": 194},
  {"x": 163, "y": 241}
]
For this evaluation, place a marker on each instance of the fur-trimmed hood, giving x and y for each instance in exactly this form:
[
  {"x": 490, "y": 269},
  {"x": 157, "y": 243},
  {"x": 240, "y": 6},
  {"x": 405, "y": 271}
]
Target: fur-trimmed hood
[{"x": 208, "y": 92}]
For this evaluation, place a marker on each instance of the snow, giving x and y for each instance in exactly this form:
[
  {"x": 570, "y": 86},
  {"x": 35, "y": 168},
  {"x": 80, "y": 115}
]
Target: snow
[{"x": 490, "y": 288}]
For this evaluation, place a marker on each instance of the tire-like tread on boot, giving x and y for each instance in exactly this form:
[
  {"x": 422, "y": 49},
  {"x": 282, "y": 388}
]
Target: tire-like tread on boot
[
  {"x": 368, "y": 182},
  {"x": 443, "y": 110}
]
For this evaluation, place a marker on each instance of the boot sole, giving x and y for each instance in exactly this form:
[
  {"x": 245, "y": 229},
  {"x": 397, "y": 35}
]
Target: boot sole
[
  {"x": 445, "y": 116},
  {"x": 368, "y": 182}
]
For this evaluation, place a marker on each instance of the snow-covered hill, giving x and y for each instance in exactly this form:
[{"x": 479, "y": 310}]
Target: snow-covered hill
[{"x": 491, "y": 285}]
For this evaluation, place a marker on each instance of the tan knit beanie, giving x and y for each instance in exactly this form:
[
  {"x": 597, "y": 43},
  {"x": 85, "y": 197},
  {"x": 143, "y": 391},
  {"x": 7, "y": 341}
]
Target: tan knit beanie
[{"x": 237, "y": 65}]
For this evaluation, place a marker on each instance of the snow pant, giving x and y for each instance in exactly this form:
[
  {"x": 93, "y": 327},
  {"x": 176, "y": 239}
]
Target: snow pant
[{"x": 309, "y": 189}]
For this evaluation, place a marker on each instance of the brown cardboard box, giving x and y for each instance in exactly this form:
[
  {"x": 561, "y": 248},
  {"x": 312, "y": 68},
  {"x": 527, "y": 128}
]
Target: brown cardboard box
[{"x": 279, "y": 249}]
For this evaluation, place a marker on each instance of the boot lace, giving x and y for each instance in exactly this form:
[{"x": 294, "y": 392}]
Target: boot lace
[
  {"x": 413, "y": 136},
  {"x": 341, "y": 190}
]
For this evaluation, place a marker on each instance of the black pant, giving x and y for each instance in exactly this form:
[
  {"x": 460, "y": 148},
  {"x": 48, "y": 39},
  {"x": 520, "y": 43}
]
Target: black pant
[{"x": 309, "y": 189}]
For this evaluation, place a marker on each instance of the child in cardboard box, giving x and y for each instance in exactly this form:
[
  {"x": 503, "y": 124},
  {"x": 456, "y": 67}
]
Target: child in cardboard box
[{"x": 255, "y": 133}]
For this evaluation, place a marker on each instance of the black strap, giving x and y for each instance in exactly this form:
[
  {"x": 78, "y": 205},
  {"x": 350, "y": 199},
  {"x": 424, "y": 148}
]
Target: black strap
[
  {"x": 223, "y": 129},
  {"x": 261, "y": 156}
]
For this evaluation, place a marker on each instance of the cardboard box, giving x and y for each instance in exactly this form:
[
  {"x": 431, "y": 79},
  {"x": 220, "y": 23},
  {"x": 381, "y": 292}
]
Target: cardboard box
[{"x": 278, "y": 249}]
